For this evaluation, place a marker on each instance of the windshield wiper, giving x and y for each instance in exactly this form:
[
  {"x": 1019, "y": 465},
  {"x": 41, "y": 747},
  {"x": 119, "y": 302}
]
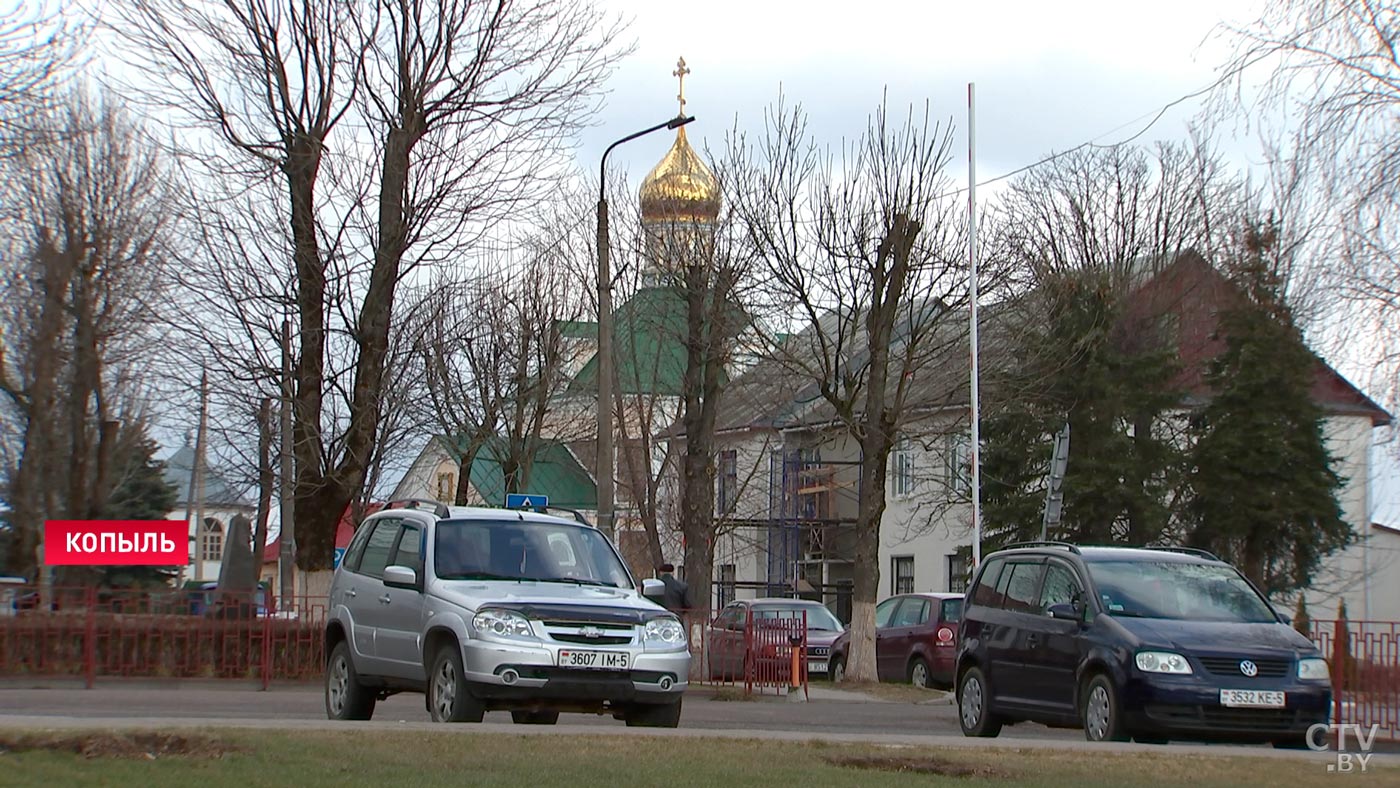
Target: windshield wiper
[
  {"x": 1128, "y": 614},
  {"x": 578, "y": 580},
  {"x": 481, "y": 576}
]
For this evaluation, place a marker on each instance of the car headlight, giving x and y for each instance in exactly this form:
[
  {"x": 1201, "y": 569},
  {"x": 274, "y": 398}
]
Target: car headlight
[
  {"x": 502, "y": 624},
  {"x": 1162, "y": 662},
  {"x": 664, "y": 632},
  {"x": 1314, "y": 668}
]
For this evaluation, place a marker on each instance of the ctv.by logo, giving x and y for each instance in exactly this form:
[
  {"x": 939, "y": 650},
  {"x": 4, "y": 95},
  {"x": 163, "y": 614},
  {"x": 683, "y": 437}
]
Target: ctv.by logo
[{"x": 1348, "y": 759}]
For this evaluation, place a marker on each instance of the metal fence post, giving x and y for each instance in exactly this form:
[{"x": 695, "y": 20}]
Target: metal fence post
[
  {"x": 90, "y": 640},
  {"x": 266, "y": 649},
  {"x": 1339, "y": 667}
]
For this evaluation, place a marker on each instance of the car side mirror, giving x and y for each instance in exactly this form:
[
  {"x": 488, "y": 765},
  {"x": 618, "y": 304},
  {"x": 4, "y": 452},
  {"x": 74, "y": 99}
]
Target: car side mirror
[
  {"x": 400, "y": 577},
  {"x": 653, "y": 589},
  {"x": 1064, "y": 611}
]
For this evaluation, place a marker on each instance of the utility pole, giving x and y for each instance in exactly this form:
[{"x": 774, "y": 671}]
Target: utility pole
[
  {"x": 197, "y": 475},
  {"x": 286, "y": 560},
  {"x": 604, "y": 466},
  {"x": 972, "y": 297}
]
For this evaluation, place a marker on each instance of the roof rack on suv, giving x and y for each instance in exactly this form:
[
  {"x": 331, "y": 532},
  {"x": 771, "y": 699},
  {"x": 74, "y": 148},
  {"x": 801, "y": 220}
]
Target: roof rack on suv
[
  {"x": 546, "y": 509},
  {"x": 1042, "y": 543},
  {"x": 439, "y": 508},
  {"x": 1196, "y": 551}
]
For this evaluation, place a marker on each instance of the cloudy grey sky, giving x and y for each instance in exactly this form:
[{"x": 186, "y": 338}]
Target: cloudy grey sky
[{"x": 1049, "y": 75}]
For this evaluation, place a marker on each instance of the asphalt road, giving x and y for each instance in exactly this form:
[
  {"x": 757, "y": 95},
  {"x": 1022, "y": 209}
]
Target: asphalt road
[{"x": 829, "y": 715}]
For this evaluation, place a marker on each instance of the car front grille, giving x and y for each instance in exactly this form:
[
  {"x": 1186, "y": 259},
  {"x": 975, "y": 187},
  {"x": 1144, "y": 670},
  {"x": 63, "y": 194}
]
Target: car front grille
[
  {"x": 601, "y": 640},
  {"x": 1230, "y": 666},
  {"x": 1225, "y": 719},
  {"x": 589, "y": 634}
]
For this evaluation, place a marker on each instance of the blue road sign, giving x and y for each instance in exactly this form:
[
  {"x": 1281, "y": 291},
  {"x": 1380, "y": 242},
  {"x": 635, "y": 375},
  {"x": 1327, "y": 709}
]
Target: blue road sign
[
  {"x": 518, "y": 501},
  {"x": 339, "y": 554}
]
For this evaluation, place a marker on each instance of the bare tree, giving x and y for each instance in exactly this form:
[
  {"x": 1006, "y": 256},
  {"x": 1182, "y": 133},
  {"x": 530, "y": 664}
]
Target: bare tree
[
  {"x": 85, "y": 265},
  {"x": 868, "y": 251},
  {"x": 456, "y": 109},
  {"x": 37, "y": 46},
  {"x": 1333, "y": 89}
]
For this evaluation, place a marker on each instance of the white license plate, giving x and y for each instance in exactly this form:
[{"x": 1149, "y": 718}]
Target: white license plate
[
  {"x": 816, "y": 666},
  {"x": 1252, "y": 699},
  {"x": 594, "y": 660}
]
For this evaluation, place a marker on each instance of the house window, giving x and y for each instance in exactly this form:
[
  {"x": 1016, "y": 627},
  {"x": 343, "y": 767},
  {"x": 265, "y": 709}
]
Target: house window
[
  {"x": 727, "y": 490},
  {"x": 957, "y": 466},
  {"x": 957, "y": 573},
  {"x": 445, "y": 487},
  {"x": 726, "y": 584},
  {"x": 903, "y": 468},
  {"x": 213, "y": 549},
  {"x": 903, "y": 574}
]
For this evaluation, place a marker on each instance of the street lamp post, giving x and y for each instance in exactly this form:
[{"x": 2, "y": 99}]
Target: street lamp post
[{"x": 605, "y": 353}]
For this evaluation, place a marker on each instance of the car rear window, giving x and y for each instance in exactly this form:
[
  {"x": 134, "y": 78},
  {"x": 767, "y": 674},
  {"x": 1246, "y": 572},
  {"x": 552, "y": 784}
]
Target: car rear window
[
  {"x": 952, "y": 611},
  {"x": 985, "y": 593},
  {"x": 1022, "y": 588}
]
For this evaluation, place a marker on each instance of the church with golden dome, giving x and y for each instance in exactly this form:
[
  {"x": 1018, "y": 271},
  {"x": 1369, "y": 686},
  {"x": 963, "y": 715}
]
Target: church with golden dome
[{"x": 680, "y": 203}]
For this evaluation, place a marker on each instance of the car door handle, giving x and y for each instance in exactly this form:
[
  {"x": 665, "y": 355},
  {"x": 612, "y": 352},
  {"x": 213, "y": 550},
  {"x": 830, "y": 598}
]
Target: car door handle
[
  {"x": 1032, "y": 639},
  {"x": 350, "y": 593},
  {"x": 384, "y": 600}
]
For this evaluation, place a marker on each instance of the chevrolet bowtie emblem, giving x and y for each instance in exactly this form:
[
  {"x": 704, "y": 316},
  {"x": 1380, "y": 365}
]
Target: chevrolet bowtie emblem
[{"x": 591, "y": 632}]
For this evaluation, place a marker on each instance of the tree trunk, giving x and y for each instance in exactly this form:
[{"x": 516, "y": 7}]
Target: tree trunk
[
  {"x": 875, "y": 431},
  {"x": 30, "y": 494},
  {"x": 267, "y": 480}
]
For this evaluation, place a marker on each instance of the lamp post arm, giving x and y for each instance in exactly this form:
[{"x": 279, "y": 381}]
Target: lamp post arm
[{"x": 673, "y": 123}]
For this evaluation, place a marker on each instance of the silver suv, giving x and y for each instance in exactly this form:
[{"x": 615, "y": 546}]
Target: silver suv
[{"x": 498, "y": 609}]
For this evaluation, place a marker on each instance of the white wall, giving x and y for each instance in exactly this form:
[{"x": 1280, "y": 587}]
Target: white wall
[{"x": 1367, "y": 574}]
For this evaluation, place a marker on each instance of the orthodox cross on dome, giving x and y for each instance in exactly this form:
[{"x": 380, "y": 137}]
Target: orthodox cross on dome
[{"x": 680, "y": 73}]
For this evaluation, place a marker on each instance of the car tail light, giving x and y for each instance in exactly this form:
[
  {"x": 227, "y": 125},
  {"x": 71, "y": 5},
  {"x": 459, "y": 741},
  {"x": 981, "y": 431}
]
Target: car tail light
[{"x": 945, "y": 636}]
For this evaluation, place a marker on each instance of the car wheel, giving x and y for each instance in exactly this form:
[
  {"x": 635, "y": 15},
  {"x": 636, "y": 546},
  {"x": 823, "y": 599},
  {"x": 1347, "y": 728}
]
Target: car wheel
[
  {"x": 346, "y": 697},
  {"x": 975, "y": 705},
  {"x": 838, "y": 670},
  {"x": 918, "y": 673},
  {"x": 534, "y": 717},
  {"x": 1101, "y": 712},
  {"x": 448, "y": 697},
  {"x": 666, "y": 715}
]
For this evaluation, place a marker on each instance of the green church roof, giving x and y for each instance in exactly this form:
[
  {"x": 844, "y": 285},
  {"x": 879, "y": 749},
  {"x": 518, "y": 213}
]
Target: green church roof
[{"x": 555, "y": 473}]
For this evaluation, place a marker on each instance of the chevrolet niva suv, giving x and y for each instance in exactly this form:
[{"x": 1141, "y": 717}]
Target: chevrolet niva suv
[
  {"x": 1143, "y": 643},
  {"x": 498, "y": 609}
]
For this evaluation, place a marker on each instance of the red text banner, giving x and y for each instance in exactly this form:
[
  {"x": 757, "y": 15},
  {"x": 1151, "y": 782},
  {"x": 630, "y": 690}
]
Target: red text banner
[{"x": 116, "y": 543}]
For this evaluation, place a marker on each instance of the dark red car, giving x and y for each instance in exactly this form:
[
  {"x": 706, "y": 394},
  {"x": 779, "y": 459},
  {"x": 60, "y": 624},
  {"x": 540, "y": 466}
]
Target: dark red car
[{"x": 916, "y": 639}]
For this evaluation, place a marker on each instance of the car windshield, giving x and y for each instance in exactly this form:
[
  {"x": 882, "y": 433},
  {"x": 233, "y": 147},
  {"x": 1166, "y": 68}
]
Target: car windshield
[
  {"x": 819, "y": 618},
  {"x": 1178, "y": 590},
  {"x": 525, "y": 550}
]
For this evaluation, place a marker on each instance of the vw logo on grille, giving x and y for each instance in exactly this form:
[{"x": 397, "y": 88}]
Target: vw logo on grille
[
  {"x": 594, "y": 632},
  {"x": 1249, "y": 668}
]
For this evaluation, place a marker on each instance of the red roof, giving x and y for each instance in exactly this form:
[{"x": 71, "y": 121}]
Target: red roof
[
  {"x": 1195, "y": 293},
  {"x": 344, "y": 531}
]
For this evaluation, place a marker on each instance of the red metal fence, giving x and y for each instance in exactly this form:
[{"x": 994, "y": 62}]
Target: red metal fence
[
  {"x": 1364, "y": 657},
  {"x": 160, "y": 633},
  {"x": 766, "y": 655}
]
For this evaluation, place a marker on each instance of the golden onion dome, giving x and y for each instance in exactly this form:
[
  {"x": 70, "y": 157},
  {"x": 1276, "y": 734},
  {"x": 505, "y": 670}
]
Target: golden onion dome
[{"x": 680, "y": 188}]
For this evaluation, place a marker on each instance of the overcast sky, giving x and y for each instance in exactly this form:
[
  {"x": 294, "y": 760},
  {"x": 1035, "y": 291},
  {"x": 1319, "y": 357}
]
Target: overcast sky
[{"x": 1049, "y": 75}]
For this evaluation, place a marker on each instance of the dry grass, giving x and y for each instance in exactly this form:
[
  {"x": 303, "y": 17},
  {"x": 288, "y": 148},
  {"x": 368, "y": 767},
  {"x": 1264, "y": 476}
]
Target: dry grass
[{"x": 455, "y": 756}]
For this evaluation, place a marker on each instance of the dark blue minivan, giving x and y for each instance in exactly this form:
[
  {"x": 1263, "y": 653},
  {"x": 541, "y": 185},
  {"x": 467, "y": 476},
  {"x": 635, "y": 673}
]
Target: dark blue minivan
[{"x": 1145, "y": 643}]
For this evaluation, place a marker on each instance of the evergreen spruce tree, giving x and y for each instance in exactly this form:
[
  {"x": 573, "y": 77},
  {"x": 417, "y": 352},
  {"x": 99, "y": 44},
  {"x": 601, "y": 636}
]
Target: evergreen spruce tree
[
  {"x": 1263, "y": 489},
  {"x": 1111, "y": 382},
  {"x": 141, "y": 493}
]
